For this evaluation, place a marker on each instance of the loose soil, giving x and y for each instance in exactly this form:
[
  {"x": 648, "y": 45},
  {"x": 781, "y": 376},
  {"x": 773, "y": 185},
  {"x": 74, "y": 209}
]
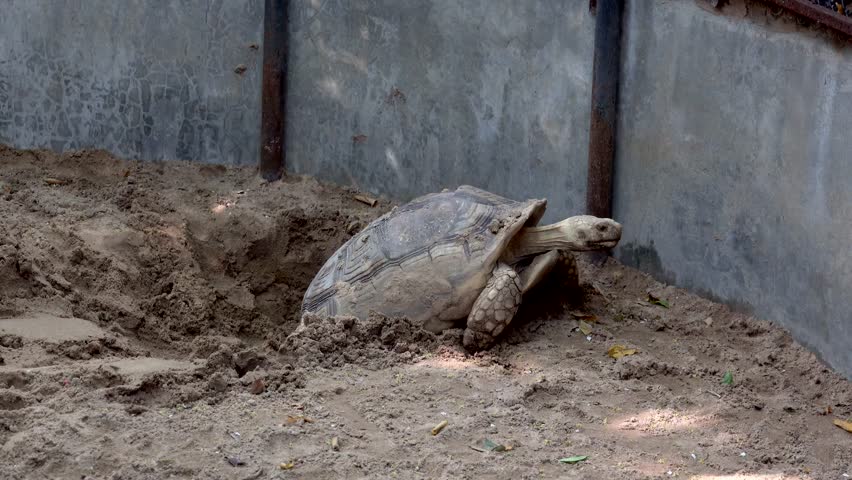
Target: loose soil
[{"x": 144, "y": 318}]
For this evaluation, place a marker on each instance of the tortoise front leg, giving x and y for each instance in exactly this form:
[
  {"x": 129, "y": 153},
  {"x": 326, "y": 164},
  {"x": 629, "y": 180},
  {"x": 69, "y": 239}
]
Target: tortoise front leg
[
  {"x": 494, "y": 308},
  {"x": 559, "y": 263},
  {"x": 567, "y": 270}
]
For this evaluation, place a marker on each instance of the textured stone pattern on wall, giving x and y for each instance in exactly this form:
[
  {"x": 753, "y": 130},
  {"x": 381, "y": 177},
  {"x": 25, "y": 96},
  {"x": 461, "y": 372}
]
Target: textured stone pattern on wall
[
  {"x": 145, "y": 79},
  {"x": 404, "y": 97},
  {"x": 733, "y": 176}
]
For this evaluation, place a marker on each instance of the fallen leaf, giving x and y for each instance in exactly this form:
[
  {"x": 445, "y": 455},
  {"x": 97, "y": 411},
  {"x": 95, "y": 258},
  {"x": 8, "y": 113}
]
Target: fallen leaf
[
  {"x": 585, "y": 328},
  {"x": 843, "y": 424},
  {"x": 487, "y": 445},
  {"x": 291, "y": 419},
  {"x": 618, "y": 351},
  {"x": 728, "y": 379},
  {"x": 585, "y": 316},
  {"x": 287, "y": 466},
  {"x": 575, "y": 459},
  {"x": 493, "y": 446},
  {"x": 657, "y": 301}
]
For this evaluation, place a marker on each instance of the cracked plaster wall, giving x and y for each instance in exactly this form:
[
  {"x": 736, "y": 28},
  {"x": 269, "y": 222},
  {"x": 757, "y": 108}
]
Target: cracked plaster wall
[
  {"x": 143, "y": 79},
  {"x": 733, "y": 176},
  {"x": 405, "y": 97}
]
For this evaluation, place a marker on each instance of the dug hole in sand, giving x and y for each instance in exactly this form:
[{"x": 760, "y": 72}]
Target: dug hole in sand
[{"x": 144, "y": 318}]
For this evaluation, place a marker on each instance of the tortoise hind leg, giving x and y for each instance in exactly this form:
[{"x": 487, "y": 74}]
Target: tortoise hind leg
[{"x": 494, "y": 308}]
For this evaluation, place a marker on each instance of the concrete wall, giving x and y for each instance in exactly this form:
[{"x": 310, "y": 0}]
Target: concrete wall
[
  {"x": 404, "y": 97},
  {"x": 734, "y": 171},
  {"x": 144, "y": 79}
]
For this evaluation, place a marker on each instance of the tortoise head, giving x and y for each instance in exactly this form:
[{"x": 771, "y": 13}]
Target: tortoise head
[
  {"x": 587, "y": 232},
  {"x": 578, "y": 233}
]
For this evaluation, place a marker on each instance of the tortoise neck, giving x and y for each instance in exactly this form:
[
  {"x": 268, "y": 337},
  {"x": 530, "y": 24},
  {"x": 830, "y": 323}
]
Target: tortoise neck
[{"x": 538, "y": 240}]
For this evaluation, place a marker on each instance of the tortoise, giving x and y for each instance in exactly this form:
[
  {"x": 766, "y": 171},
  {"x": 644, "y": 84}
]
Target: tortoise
[{"x": 452, "y": 256}]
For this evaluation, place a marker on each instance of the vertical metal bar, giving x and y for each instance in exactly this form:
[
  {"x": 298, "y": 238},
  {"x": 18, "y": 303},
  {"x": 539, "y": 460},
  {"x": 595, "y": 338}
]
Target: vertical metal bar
[
  {"x": 274, "y": 89},
  {"x": 604, "y": 105}
]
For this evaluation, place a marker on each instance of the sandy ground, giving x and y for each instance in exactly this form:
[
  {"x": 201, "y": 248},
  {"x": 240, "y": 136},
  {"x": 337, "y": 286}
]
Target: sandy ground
[{"x": 144, "y": 313}]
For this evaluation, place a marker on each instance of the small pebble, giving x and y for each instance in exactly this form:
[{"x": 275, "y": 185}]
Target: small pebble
[{"x": 257, "y": 387}]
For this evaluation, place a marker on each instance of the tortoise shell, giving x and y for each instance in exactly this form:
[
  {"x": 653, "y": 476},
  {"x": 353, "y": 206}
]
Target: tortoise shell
[{"x": 427, "y": 260}]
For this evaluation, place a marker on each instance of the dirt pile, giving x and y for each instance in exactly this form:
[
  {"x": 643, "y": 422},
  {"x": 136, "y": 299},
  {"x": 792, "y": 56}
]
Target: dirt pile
[
  {"x": 375, "y": 343},
  {"x": 164, "y": 252}
]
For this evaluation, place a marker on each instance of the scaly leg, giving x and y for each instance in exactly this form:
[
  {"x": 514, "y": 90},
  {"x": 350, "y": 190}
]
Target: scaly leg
[{"x": 493, "y": 309}]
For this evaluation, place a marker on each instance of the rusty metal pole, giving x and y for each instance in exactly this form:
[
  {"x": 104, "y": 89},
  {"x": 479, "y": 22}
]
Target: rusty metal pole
[
  {"x": 604, "y": 105},
  {"x": 274, "y": 90}
]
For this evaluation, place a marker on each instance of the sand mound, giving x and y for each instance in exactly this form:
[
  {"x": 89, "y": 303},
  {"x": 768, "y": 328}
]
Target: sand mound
[{"x": 375, "y": 343}]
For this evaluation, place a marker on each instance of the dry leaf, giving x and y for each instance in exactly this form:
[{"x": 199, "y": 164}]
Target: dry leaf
[
  {"x": 618, "y": 351},
  {"x": 843, "y": 424},
  {"x": 588, "y": 317},
  {"x": 585, "y": 328},
  {"x": 287, "y": 466},
  {"x": 291, "y": 419},
  {"x": 486, "y": 445}
]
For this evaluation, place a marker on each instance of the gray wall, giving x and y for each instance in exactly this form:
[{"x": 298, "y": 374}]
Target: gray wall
[
  {"x": 143, "y": 79},
  {"x": 493, "y": 93},
  {"x": 734, "y": 171}
]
